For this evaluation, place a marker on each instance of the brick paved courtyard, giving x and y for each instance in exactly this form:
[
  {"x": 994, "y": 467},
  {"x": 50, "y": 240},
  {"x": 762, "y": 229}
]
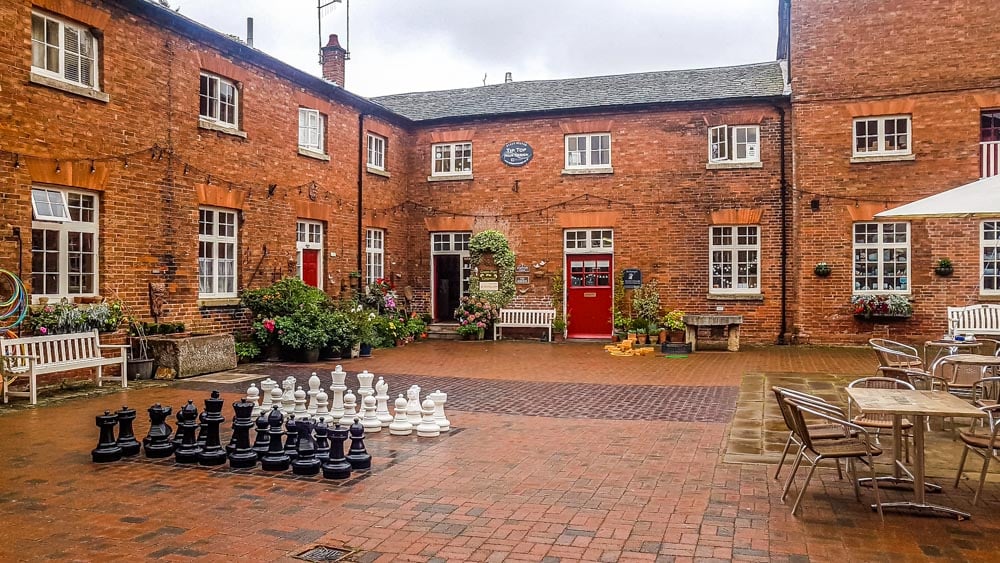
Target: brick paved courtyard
[{"x": 560, "y": 453}]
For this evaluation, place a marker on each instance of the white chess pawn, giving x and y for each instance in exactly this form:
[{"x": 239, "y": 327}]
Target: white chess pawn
[
  {"x": 382, "y": 402},
  {"x": 349, "y": 413},
  {"x": 253, "y": 396},
  {"x": 276, "y": 398},
  {"x": 314, "y": 384},
  {"x": 300, "y": 404},
  {"x": 368, "y": 418},
  {"x": 265, "y": 392},
  {"x": 400, "y": 426},
  {"x": 337, "y": 388},
  {"x": 440, "y": 399},
  {"x": 427, "y": 427},
  {"x": 322, "y": 404},
  {"x": 365, "y": 385}
]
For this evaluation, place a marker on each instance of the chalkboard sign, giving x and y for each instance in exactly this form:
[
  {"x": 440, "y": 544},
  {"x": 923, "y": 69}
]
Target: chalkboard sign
[
  {"x": 632, "y": 278},
  {"x": 516, "y": 153}
]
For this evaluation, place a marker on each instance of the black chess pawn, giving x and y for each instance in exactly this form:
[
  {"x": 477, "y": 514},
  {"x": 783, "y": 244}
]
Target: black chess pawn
[
  {"x": 107, "y": 448},
  {"x": 242, "y": 455},
  {"x": 212, "y": 452},
  {"x": 202, "y": 427},
  {"x": 189, "y": 449},
  {"x": 157, "y": 443},
  {"x": 262, "y": 439},
  {"x": 358, "y": 456},
  {"x": 178, "y": 436},
  {"x": 337, "y": 466},
  {"x": 292, "y": 438},
  {"x": 306, "y": 462},
  {"x": 275, "y": 459},
  {"x": 322, "y": 433},
  {"x": 126, "y": 436}
]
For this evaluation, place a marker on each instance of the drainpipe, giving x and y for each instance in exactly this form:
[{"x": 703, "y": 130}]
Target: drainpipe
[
  {"x": 361, "y": 176},
  {"x": 784, "y": 230}
]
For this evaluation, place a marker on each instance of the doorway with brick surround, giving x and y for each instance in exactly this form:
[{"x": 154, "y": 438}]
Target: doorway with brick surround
[
  {"x": 450, "y": 269},
  {"x": 589, "y": 278},
  {"x": 309, "y": 250}
]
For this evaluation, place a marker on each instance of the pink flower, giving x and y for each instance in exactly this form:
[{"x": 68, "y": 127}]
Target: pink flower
[
  {"x": 481, "y": 324},
  {"x": 269, "y": 325},
  {"x": 43, "y": 330}
]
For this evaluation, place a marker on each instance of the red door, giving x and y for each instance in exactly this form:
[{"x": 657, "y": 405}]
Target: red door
[
  {"x": 589, "y": 295},
  {"x": 310, "y": 267}
]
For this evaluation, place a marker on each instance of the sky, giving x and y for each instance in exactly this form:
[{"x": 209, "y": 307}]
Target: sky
[{"x": 402, "y": 46}]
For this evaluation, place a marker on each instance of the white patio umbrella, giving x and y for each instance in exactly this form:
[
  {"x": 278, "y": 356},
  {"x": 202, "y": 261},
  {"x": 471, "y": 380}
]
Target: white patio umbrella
[{"x": 975, "y": 199}]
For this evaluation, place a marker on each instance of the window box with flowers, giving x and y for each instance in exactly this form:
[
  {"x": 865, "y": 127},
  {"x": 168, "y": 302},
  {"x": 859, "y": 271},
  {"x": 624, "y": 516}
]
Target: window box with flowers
[{"x": 881, "y": 307}]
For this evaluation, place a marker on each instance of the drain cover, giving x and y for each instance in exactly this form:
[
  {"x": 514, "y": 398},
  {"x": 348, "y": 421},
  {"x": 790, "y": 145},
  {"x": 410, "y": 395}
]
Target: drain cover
[{"x": 323, "y": 553}]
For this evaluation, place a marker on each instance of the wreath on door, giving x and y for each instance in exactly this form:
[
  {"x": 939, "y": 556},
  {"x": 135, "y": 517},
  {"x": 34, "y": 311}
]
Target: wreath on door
[{"x": 493, "y": 244}]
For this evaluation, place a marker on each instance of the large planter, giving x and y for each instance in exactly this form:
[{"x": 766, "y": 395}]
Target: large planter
[
  {"x": 309, "y": 356},
  {"x": 365, "y": 351},
  {"x": 139, "y": 369},
  {"x": 191, "y": 353}
]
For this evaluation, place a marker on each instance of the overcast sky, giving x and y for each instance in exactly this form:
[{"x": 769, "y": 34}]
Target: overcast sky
[{"x": 415, "y": 45}]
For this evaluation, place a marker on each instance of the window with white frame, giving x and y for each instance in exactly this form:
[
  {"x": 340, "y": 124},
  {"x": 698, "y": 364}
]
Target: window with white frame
[
  {"x": 583, "y": 240},
  {"x": 878, "y": 136},
  {"x": 735, "y": 259},
  {"x": 217, "y": 238},
  {"x": 63, "y": 50},
  {"x": 64, "y": 244},
  {"x": 451, "y": 159},
  {"x": 881, "y": 257},
  {"x": 311, "y": 130},
  {"x": 990, "y": 244},
  {"x": 219, "y": 100},
  {"x": 592, "y": 150},
  {"x": 309, "y": 240},
  {"x": 734, "y": 143},
  {"x": 376, "y": 152},
  {"x": 375, "y": 255}
]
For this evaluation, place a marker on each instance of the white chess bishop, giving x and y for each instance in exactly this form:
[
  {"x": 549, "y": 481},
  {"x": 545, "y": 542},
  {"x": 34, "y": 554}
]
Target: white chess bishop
[
  {"x": 400, "y": 426},
  {"x": 314, "y": 384},
  {"x": 427, "y": 427}
]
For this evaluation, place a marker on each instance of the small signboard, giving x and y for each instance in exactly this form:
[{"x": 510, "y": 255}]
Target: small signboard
[
  {"x": 489, "y": 286},
  {"x": 632, "y": 278},
  {"x": 522, "y": 269},
  {"x": 516, "y": 153},
  {"x": 488, "y": 275},
  {"x": 522, "y": 280}
]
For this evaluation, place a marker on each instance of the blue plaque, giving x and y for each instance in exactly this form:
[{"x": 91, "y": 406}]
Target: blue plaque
[
  {"x": 631, "y": 278},
  {"x": 516, "y": 153}
]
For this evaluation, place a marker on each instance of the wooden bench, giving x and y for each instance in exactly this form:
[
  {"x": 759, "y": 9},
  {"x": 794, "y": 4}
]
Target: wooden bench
[
  {"x": 983, "y": 318},
  {"x": 731, "y": 322},
  {"x": 35, "y": 355},
  {"x": 523, "y": 318}
]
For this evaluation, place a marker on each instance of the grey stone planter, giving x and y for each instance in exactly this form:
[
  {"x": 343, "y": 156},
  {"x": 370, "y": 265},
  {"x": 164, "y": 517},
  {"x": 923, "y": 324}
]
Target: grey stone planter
[{"x": 192, "y": 353}]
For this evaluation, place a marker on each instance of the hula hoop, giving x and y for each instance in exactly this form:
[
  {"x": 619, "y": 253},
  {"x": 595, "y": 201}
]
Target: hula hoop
[{"x": 14, "y": 309}]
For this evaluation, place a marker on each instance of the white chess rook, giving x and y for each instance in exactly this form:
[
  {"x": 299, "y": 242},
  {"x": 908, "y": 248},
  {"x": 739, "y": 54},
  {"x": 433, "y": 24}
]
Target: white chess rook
[
  {"x": 440, "y": 399},
  {"x": 400, "y": 426},
  {"x": 427, "y": 427}
]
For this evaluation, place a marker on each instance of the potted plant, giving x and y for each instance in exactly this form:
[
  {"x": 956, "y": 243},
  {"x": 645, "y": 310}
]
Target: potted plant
[
  {"x": 559, "y": 325},
  {"x": 944, "y": 267},
  {"x": 822, "y": 269},
  {"x": 247, "y": 351},
  {"x": 674, "y": 322},
  {"x": 304, "y": 331}
]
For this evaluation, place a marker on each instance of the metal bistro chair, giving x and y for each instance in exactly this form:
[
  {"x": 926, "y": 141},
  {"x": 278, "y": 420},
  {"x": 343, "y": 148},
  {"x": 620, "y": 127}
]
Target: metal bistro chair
[
  {"x": 883, "y": 421},
  {"x": 986, "y": 392},
  {"x": 856, "y": 445},
  {"x": 895, "y": 354},
  {"x": 823, "y": 431},
  {"x": 984, "y": 445}
]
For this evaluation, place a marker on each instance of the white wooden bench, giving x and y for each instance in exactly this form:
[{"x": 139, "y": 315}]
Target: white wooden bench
[
  {"x": 523, "y": 318},
  {"x": 983, "y": 318},
  {"x": 31, "y": 356}
]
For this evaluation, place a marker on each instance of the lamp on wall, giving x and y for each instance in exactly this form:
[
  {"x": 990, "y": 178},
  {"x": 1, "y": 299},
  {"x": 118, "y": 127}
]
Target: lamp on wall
[{"x": 814, "y": 204}]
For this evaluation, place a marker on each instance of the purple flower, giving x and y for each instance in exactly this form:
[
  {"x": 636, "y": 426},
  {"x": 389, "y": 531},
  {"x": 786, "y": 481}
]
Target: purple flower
[{"x": 43, "y": 330}]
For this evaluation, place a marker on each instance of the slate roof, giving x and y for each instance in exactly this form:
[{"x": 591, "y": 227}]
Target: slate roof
[{"x": 760, "y": 80}]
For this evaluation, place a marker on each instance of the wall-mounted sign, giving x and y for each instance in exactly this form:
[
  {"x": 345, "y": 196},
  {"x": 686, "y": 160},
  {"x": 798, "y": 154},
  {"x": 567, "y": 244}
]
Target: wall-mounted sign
[
  {"x": 489, "y": 286},
  {"x": 488, "y": 275},
  {"x": 516, "y": 153},
  {"x": 522, "y": 280},
  {"x": 632, "y": 278},
  {"x": 522, "y": 269}
]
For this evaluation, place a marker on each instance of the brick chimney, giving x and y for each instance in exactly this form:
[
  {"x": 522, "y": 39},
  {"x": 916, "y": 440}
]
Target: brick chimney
[{"x": 333, "y": 57}]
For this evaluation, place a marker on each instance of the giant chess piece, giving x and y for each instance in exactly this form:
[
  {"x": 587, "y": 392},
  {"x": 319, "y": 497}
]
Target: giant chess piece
[
  {"x": 243, "y": 456},
  {"x": 202, "y": 429},
  {"x": 126, "y": 436},
  {"x": 413, "y": 413},
  {"x": 305, "y": 462},
  {"x": 428, "y": 428},
  {"x": 300, "y": 411},
  {"x": 322, "y": 433},
  {"x": 322, "y": 404},
  {"x": 368, "y": 418},
  {"x": 262, "y": 439},
  {"x": 400, "y": 426},
  {"x": 266, "y": 397},
  {"x": 314, "y": 384},
  {"x": 358, "y": 456},
  {"x": 440, "y": 399},
  {"x": 382, "y": 402},
  {"x": 212, "y": 452},
  {"x": 349, "y": 412},
  {"x": 365, "y": 386},
  {"x": 275, "y": 459},
  {"x": 178, "y": 436},
  {"x": 276, "y": 400},
  {"x": 337, "y": 466},
  {"x": 189, "y": 448},
  {"x": 107, "y": 449},
  {"x": 337, "y": 388},
  {"x": 288, "y": 396},
  {"x": 157, "y": 443},
  {"x": 253, "y": 396},
  {"x": 291, "y": 437}
]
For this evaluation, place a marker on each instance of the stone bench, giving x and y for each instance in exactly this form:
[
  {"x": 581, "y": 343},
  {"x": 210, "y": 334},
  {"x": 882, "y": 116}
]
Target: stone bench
[{"x": 732, "y": 323}]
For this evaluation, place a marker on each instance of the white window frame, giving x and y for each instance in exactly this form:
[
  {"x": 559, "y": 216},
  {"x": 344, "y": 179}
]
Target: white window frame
[
  {"x": 215, "y": 105},
  {"x": 989, "y": 256},
  {"x": 583, "y": 158},
  {"x": 309, "y": 236},
  {"x": 64, "y": 228},
  {"x": 878, "y": 248},
  {"x": 376, "y": 151},
  {"x": 63, "y": 50},
  {"x": 724, "y": 143},
  {"x": 881, "y": 136},
  {"x": 456, "y": 243},
  {"x": 312, "y": 130},
  {"x": 49, "y": 204},
  {"x": 218, "y": 241},
  {"x": 742, "y": 256},
  {"x": 451, "y": 161},
  {"x": 588, "y": 241},
  {"x": 374, "y": 255}
]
